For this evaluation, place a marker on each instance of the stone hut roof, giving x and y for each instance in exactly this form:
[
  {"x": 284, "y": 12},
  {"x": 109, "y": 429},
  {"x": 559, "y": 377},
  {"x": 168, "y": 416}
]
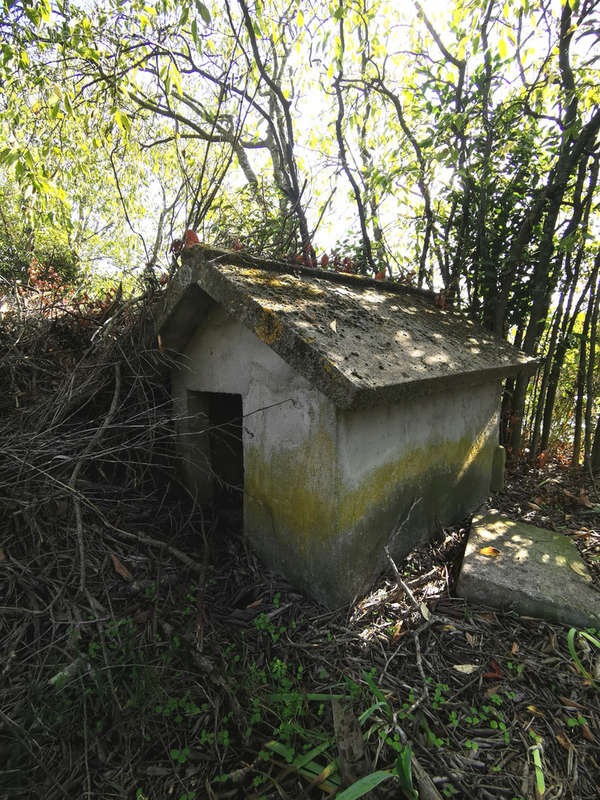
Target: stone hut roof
[{"x": 358, "y": 340}]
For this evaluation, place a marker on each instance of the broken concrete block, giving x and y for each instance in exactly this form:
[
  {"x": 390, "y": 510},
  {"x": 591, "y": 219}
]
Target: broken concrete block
[{"x": 533, "y": 571}]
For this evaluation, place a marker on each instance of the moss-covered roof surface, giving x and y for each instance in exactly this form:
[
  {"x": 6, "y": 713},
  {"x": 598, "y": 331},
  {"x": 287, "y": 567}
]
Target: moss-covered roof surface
[{"x": 356, "y": 339}]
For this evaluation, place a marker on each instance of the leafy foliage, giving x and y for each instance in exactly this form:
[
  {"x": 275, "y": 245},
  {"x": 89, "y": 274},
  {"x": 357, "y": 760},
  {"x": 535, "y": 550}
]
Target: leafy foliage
[{"x": 465, "y": 155}]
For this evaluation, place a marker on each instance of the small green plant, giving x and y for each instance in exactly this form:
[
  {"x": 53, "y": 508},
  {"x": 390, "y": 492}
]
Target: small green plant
[
  {"x": 491, "y": 715},
  {"x": 150, "y": 592},
  {"x": 449, "y": 790},
  {"x": 180, "y": 755},
  {"x": 438, "y": 696},
  {"x": 264, "y": 624},
  {"x": 595, "y": 642},
  {"x": 501, "y": 726},
  {"x": 180, "y": 707},
  {"x": 402, "y": 768}
]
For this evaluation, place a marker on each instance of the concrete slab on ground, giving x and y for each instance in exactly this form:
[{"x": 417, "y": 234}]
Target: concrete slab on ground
[{"x": 533, "y": 571}]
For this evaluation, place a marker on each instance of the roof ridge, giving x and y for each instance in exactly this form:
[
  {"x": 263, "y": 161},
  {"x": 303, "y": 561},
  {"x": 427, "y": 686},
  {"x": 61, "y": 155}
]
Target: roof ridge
[{"x": 238, "y": 258}]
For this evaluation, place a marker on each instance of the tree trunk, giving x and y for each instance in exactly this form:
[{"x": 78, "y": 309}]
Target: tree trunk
[
  {"x": 595, "y": 456},
  {"x": 540, "y": 403},
  {"x": 587, "y": 449}
]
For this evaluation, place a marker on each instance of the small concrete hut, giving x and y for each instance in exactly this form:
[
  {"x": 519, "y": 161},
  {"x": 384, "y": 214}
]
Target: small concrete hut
[{"x": 359, "y": 400}]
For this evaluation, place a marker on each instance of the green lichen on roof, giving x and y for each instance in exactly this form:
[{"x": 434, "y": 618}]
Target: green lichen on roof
[{"x": 358, "y": 340}]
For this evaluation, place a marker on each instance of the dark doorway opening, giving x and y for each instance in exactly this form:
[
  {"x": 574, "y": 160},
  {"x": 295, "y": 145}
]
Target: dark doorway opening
[{"x": 226, "y": 448}]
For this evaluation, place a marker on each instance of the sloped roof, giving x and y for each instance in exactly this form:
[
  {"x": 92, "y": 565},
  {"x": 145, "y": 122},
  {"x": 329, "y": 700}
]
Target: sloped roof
[{"x": 358, "y": 340}]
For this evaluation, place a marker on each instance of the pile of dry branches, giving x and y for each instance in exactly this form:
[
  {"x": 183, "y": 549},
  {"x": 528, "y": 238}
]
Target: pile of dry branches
[{"x": 86, "y": 467}]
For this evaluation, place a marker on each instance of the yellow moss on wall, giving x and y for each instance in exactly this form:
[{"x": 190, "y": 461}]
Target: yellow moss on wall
[
  {"x": 329, "y": 538},
  {"x": 294, "y": 490},
  {"x": 423, "y": 467},
  {"x": 296, "y": 496},
  {"x": 269, "y": 328}
]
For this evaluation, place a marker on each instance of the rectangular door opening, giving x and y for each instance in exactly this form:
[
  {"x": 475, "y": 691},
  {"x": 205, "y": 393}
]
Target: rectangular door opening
[
  {"x": 216, "y": 420},
  {"x": 226, "y": 448}
]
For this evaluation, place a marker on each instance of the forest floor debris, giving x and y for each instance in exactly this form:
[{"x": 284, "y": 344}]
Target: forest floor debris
[{"x": 148, "y": 654}]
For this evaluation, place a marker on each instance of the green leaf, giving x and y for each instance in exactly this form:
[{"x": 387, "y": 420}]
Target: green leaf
[
  {"x": 364, "y": 785},
  {"x": 377, "y": 692},
  {"x": 123, "y": 121},
  {"x": 337, "y": 48},
  {"x": 502, "y": 48},
  {"x": 404, "y": 771},
  {"x": 281, "y": 750},
  {"x": 321, "y": 697},
  {"x": 571, "y": 644},
  {"x": 366, "y": 714},
  {"x": 539, "y": 773},
  {"x": 300, "y": 19},
  {"x": 203, "y": 11},
  {"x": 45, "y": 186},
  {"x": 590, "y": 638},
  {"x": 302, "y": 761},
  {"x": 8, "y": 156},
  {"x": 176, "y": 78}
]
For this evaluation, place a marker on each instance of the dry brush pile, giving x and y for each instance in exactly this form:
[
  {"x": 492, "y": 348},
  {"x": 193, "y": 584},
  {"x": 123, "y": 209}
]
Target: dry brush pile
[{"x": 86, "y": 483}]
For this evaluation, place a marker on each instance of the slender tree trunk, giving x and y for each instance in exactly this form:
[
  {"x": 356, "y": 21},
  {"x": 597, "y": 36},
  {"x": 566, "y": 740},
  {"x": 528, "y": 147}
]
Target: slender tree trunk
[
  {"x": 285, "y": 148},
  {"x": 581, "y": 383},
  {"x": 569, "y": 319},
  {"x": 595, "y": 456},
  {"x": 541, "y": 283},
  {"x": 366, "y": 239},
  {"x": 540, "y": 401},
  {"x": 583, "y": 364},
  {"x": 482, "y": 247},
  {"x": 587, "y": 448}
]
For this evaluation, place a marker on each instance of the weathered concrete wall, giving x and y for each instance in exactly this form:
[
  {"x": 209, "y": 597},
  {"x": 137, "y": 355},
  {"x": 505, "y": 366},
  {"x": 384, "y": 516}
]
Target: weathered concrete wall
[
  {"x": 324, "y": 488},
  {"x": 289, "y": 433},
  {"x": 436, "y": 450}
]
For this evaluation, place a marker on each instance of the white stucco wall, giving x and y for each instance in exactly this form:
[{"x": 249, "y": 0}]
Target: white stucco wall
[
  {"x": 289, "y": 444},
  {"x": 436, "y": 450}
]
